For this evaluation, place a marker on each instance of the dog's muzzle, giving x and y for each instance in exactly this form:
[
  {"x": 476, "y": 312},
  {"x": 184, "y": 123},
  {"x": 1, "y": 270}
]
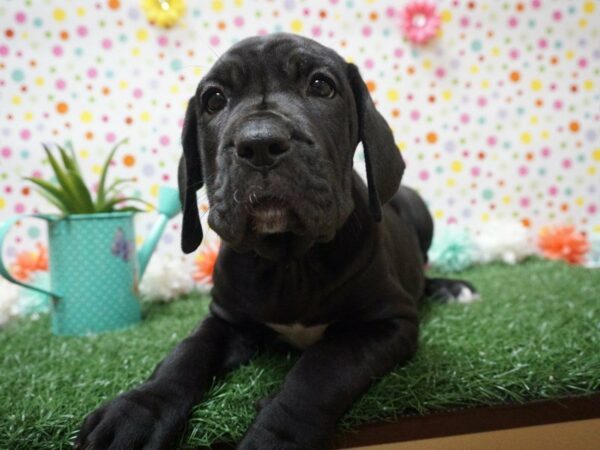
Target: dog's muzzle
[{"x": 261, "y": 143}]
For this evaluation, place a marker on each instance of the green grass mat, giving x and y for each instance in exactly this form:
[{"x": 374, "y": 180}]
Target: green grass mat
[{"x": 535, "y": 335}]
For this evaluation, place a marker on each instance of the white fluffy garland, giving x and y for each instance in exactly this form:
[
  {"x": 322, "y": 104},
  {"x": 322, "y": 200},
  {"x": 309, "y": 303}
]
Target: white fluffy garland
[
  {"x": 167, "y": 277},
  {"x": 9, "y": 301},
  {"x": 503, "y": 240}
]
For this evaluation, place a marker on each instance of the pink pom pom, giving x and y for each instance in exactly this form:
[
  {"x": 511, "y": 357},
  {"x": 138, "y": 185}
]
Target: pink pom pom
[{"x": 420, "y": 21}]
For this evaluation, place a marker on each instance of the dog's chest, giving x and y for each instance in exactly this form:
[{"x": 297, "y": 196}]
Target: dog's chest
[{"x": 298, "y": 335}]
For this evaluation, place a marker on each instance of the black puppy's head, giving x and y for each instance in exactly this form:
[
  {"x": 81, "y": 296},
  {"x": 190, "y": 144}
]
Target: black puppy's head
[{"x": 272, "y": 131}]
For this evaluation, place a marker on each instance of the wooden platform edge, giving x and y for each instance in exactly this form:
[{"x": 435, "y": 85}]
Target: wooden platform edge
[{"x": 473, "y": 420}]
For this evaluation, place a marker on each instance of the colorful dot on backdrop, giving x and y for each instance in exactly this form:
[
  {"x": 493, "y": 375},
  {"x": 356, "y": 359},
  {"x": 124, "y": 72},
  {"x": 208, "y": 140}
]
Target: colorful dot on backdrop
[{"x": 498, "y": 117}]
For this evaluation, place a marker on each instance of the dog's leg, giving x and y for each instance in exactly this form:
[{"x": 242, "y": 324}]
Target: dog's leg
[
  {"x": 448, "y": 290},
  {"x": 153, "y": 415},
  {"x": 326, "y": 380}
]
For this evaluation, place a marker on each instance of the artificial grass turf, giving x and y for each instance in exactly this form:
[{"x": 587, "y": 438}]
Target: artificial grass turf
[{"x": 535, "y": 335}]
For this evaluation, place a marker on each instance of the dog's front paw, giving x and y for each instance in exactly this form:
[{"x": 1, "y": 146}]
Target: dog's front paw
[
  {"x": 279, "y": 427},
  {"x": 451, "y": 290},
  {"x": 142, "y": 418}
]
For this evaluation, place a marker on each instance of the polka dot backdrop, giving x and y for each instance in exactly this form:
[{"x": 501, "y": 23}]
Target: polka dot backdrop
[{"x": 497, "y": 118}]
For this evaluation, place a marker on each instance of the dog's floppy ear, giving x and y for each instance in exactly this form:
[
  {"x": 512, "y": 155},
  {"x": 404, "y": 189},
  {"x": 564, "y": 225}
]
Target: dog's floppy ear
[
  {"x": 190, "y": 180},
  {"x": 383, "y": 161}
]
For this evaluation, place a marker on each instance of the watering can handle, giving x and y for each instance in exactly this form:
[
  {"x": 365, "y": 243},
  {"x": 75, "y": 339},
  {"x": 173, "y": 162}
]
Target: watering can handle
[{"x": 4, "y": 228}]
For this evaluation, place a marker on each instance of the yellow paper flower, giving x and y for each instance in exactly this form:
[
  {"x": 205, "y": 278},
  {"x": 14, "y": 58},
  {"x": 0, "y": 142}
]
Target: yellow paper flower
[{"x": 164, "y": 13}]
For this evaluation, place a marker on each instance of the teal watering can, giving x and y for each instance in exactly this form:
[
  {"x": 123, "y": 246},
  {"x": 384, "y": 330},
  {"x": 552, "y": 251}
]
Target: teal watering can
[{"x": 94, "y": 267}]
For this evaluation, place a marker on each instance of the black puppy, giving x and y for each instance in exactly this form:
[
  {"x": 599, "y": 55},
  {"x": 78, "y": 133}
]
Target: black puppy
[{"x": 310, "y": 254}]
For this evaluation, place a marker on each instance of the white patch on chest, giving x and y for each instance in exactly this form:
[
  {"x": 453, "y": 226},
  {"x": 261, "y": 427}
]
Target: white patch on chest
[{"x": 299, "y": 335}]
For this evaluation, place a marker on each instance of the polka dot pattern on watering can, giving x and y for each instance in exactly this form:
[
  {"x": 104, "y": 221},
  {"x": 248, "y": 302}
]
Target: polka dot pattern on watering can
[{"x": 96, "y": 279}]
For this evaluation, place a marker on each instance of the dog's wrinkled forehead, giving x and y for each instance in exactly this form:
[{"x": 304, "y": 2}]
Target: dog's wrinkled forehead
[{"x": 256, "y": 61}]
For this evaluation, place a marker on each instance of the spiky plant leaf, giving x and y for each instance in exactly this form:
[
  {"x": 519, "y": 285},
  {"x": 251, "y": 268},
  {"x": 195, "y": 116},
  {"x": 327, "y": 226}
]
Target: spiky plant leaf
[
  {"x": 65, "y": 182},
  {"x": 80, "y": 189},
  {"x": 67, "y": 160},
  {"x": 60, "y": 195},
  {"x": 51, "y": 199},
  {"x": 112, "y": 189},
  {"x": 72, "y": 196},
  {"x": 129, "y": 209},
  {"x": 118, "y": 182},
  {"x": 83, "y": 193},
  {"x": 101, "y": 186},
  {"x": 111, "y": 203},
  {"x": 69, "y": 146}
]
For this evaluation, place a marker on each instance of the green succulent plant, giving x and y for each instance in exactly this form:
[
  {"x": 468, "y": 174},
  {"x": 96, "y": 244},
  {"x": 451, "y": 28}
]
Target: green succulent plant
[{"x": 70, "y": 194}]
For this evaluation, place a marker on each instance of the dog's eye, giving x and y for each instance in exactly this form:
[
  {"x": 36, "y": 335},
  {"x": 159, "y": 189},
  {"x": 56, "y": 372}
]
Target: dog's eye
[
  {"x": 214, "y": 100},
  {"x": 321, "y": 86}
]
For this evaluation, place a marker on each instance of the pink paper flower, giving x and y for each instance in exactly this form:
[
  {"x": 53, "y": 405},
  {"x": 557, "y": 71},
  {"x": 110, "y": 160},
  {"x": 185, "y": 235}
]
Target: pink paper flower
[{"x": 420, "y": 21}]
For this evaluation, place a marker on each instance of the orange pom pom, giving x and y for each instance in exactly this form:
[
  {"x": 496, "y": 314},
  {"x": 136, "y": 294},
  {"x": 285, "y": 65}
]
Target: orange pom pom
[
  {"x": 28, "y": 262},
  {"x": 205, "y": 263},
  {"x": 563, "y": 243}
]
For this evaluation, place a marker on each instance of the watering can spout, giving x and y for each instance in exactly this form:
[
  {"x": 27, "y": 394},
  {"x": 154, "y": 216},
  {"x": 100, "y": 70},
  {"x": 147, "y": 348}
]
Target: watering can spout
[{"x": 168, "y": 207}]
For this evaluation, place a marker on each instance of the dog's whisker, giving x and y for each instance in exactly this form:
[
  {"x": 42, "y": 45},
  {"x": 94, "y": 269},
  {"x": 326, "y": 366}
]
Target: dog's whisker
[
  {"x": 235, "y": 199},
  {"x": 253, "y": 198}
]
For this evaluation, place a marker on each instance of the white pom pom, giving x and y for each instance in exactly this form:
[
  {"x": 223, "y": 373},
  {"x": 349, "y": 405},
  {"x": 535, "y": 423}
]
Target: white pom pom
[
  {"x": 504, "y": 240},
  {"x": 9, "y": 298},
  {"x": 167, "y": 277}
]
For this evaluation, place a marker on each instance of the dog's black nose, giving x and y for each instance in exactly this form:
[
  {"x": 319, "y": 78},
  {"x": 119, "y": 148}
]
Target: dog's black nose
[{"x": 261, "y": 145}]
